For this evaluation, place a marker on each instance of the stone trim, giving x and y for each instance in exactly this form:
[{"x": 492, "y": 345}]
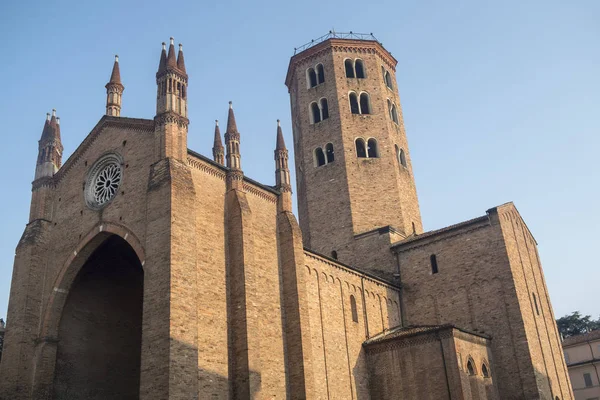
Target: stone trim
[
  {"x": 209, "y": 169},
  {"x": 260, "y": 193}
]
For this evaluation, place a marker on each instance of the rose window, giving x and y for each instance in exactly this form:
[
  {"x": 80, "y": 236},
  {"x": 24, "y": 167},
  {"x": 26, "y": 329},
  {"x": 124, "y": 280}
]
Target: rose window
[{"x": 103, "y": 181}]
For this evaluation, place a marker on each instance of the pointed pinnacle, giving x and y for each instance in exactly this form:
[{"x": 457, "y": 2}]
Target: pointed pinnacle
[
  {"x": 163, "y": 58},
  {"x": 280, "y": 142},
  {"x": 218, "y": 144},
  {"x": 171, "y": 61},
  {"x": 115, "y": 76},
  {"x": 231, "y": 125},
  {"x": 180, "y": 59}
]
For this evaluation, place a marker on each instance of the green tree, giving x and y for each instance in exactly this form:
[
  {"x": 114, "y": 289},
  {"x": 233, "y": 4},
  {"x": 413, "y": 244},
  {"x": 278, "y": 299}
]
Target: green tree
[{"x": 576, "y": 324}]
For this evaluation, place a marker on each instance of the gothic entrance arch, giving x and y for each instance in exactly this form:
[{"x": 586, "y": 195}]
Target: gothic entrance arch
[{"x": 100, "y": 329}]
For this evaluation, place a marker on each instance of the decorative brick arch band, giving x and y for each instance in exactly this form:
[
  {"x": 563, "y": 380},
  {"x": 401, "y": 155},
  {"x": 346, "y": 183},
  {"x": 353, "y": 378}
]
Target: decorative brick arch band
[{"x": 71, "y": 267}]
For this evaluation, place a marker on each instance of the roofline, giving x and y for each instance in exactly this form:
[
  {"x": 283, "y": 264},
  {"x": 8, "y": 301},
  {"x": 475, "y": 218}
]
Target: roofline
[
  {"x": 226, "y": 169},
  {"x": 451, "y": 228},
  {"x": 354, "y": 269},
  {"x": 433, "y": 328},
  {"x": 331, "y": 42}
]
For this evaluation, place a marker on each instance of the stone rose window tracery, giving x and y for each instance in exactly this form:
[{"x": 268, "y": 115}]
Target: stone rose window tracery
[{"x": 104, "y": 180}]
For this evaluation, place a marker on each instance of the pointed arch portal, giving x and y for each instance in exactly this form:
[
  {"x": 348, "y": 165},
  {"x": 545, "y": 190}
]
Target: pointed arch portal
[{"x": 100, "y": 329}]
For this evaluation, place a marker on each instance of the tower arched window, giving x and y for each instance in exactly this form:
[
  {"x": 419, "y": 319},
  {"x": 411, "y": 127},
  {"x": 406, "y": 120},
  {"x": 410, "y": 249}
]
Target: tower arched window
[
  {"x": 320, "y": 74},
  {"x": 319, "y": 157},
  {"x": 183, "y": 91},
  {"x": 353, "y": 308},
  {"x": 372, "y": 150},
  {"x": 311, "y": 77},
  {"x": 470, "y": 367},
  {"x": 354, "y": 108},
  {"x": 349, "y": 66},
  {"x": 365, "y": 103},
  {"x": 394, "y": 113},
  {"x": 359, "y": 68},
  {"x": 361, "y": 150},
  {"x": 485, "y": 371},
  {"x": 315, "y": 112},
  {"x": 401, "y": 156},
  {"x": 387, "y": 78},
  {"x": 324, "y": 108},
  {"x": 329, "y": 153}
]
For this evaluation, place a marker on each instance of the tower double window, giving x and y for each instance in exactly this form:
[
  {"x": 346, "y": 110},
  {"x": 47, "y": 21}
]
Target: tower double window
[
  {"x": 323, "y": 157},
  {"x": 319, "y": 111},
  {"x": 315, "y": 76},
  {"x": 393, "y": 111},
  {"x": 359, "y": 103},
  {"x": 355, "y": 68},
  {"x": 366, "y": 148}
]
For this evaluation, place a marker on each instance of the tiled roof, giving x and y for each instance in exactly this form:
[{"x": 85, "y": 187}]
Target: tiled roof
[
  {"x": 400, "y": 332},
  {"x": 585, "y": 337}
]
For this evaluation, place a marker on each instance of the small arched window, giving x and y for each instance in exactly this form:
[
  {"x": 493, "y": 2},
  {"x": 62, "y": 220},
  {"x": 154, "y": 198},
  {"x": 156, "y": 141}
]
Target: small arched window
[
  {"x": 484, "y": 371},
  {"x": 353, "y": 308},
  {"x": 324, "y": 108},
  {"x": 434, "y": 264},
  {"x": 320, "y": 74},
  {"x": 329, "y": 153},
  {"x": 335, "y": 256},
  {"x": 388, "y": 79},
  {"x": 394, "y": 113},
  {"x": 372, "y": 151},
  {"x": 315, "y": 112},
  {"x": 361, "y": 150},
  {"x": 470, "y": 367},
  {"x": 349, "y": 68},
  {"x": 401, "y": 157},
  {"x": 311, "y": 78},
  {"x": 365, "y": 103},
  {"x": 319, "y": 157},
  {"x": 183, "y": 91},
  {"x": 354, "y": 108},
  {"x": 359, "y": 67}
]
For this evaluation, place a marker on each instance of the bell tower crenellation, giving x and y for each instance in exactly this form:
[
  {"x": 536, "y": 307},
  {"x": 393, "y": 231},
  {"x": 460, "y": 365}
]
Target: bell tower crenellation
[{"x": 353, "y": 168}]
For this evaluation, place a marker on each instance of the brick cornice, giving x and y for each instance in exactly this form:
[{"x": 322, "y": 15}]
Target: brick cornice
[{"x": 337, "y": 45}]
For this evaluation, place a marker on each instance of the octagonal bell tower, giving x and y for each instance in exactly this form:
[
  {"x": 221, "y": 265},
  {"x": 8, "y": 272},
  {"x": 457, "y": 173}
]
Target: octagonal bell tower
[{"x": 354, "y": 175}]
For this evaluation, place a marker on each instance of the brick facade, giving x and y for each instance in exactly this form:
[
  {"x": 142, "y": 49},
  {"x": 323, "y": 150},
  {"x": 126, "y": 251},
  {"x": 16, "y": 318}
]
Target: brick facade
[{"x": 238, "y": 299}]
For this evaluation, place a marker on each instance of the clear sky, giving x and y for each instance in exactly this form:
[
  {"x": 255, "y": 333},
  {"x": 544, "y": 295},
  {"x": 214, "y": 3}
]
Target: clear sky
[{"x": 500, "y": 99}]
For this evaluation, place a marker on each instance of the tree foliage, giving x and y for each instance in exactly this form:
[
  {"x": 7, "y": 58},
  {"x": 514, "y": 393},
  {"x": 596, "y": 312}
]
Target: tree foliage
[{"x": 576, "y": 324}]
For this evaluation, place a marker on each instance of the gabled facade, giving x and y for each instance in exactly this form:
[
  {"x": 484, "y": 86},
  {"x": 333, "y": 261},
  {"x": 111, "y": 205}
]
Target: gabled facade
[{"x": 150, "y": 271}]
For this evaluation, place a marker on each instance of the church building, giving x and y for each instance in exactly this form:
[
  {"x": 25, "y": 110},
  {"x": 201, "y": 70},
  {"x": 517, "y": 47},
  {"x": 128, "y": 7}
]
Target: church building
[{"x": 150, "y": 271}]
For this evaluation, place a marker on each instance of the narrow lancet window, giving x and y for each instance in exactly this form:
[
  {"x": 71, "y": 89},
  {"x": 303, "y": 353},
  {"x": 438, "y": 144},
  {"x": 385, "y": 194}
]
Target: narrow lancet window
[
  {"x": 365, "y": 103},
  {"x": 372, "y": 150},
  {"x": 329, "y": 153},
  {"x": 361, "y": 150},
  {"x": 319, "y": 157},
  {"x": 324, "y": 109},
  {"x": 311, "y": 77},
  {"x": 359, "y": 67},
  {"x": 315, "y": 112},
  {"x": 353, "y": 308},
  {"x": 320, "y": 74},
  {"x": 434, "y": 264},
  {"x": 349, "y": 68},
  {"x": 353, "y": 103}
]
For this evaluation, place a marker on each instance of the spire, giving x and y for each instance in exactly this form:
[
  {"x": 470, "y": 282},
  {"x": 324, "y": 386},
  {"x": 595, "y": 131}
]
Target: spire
[
  {"x": 280, "y": 143},
  {"x": 163, "y": 58},
  {"x": 232, "y": 142},
  {"x": 171, "y": 61},
  {"x": 180, "y": 59},
  {"x": 114, "y": 91},
  {"x": 217, "y": 144},
  {"x": 115, "y": 76},
  {"x": 218, "y": 149},
  {"x": 282, "y": 173},
  {"x": 231, "y": 125},
  {"x": 50, "y": 147}
]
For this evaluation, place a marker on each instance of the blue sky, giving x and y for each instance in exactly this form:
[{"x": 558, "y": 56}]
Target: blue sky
[{"x": 500, "y": 100}]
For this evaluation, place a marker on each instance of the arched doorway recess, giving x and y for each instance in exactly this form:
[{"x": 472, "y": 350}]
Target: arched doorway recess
[{"x": 100, "y": 330}]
